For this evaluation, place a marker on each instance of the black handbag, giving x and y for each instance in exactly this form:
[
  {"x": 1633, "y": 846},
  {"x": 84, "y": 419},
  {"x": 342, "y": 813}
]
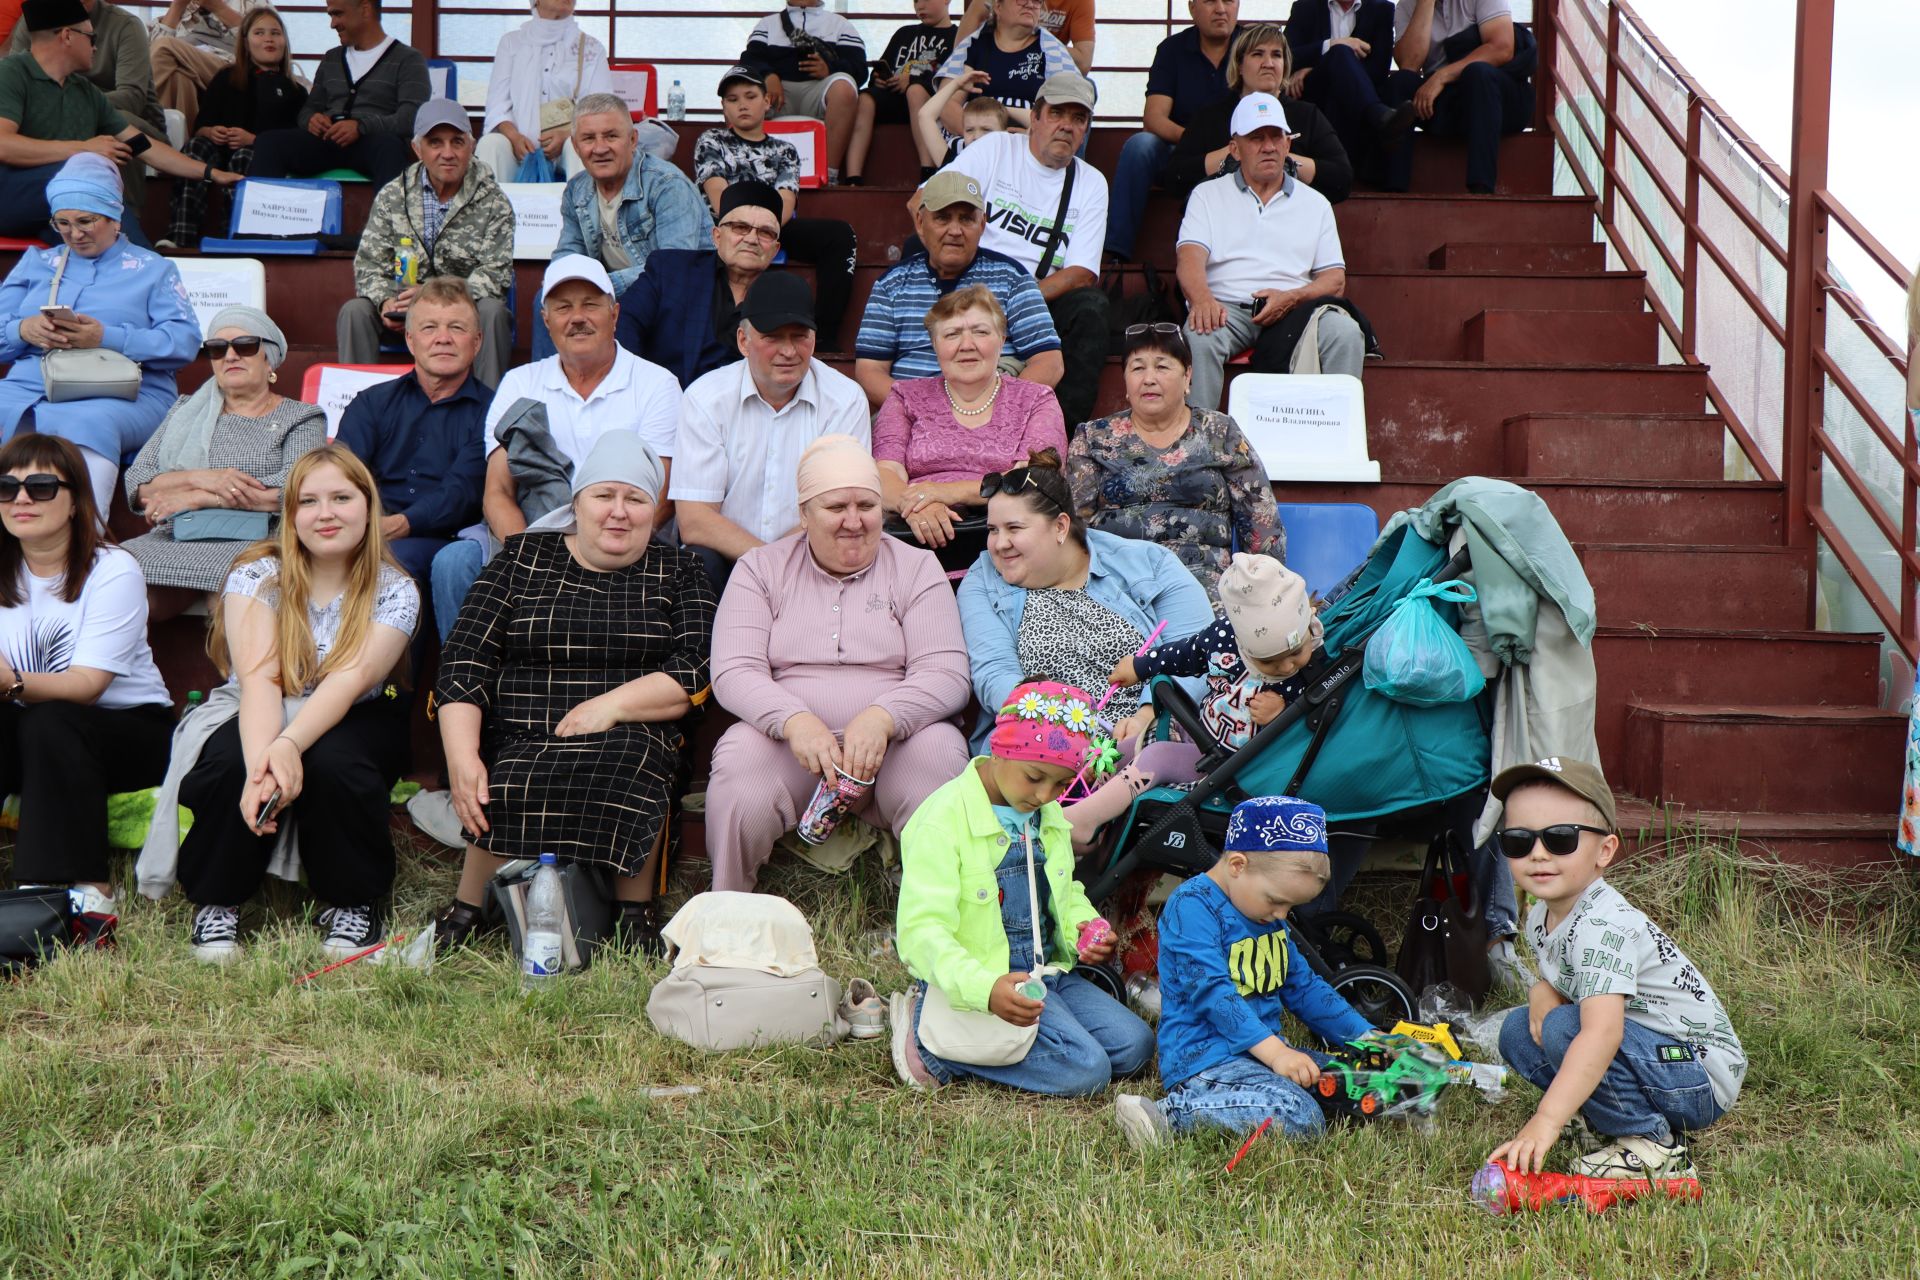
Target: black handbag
[
  {"x": 1446, "y": 936},
  {"x": 33, "y": 922}
]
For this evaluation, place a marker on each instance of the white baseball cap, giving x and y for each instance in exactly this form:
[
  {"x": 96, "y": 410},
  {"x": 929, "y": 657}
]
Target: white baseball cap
[
  {"x": 576, "y": 266},
  {"x": 1260, "y": 111}
]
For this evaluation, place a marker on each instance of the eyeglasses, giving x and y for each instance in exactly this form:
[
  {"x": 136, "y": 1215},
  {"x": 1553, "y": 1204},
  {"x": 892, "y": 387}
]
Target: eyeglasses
[
  {"x": 1561, "y": 839},
  {"x": 88, "y": 36},
  {"x": 747, "y": 230},
  {"x": 66, "y": 226},
  {"x": 1160, "y": 330},
  {"x": 40, "y": 487},
  {"x": 216, "y": 348}
]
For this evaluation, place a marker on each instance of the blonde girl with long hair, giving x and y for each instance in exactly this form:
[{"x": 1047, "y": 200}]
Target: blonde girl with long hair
[{"x": 312, "y": 625}]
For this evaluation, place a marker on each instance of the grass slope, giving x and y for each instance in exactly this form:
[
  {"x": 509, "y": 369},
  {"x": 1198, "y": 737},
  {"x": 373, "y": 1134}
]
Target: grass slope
[{"x": 161, "y": 1119}]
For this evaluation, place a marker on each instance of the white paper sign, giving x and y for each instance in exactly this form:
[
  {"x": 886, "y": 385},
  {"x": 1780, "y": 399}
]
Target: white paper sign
[
  {"x": 1305, "y": 426},
  {"x": 339, "y": 384},
  {"x": 632, "y": 86},
  {"x": 536, "y": 218},
  {"x": 804, "y": 135},
  {"x": 214, "y": 284},
  {"x": 437, "y": 77},
  {"x": 270, "y": 209}
]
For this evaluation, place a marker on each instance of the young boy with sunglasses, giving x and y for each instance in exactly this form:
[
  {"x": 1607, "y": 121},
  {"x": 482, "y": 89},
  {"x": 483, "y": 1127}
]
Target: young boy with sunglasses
[{"x": 1620, "y": 1028}]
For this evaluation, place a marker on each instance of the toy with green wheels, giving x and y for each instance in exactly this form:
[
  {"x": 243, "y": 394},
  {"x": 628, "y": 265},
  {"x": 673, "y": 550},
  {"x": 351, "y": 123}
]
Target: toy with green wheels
[{"x": 1368, "y": 1077}]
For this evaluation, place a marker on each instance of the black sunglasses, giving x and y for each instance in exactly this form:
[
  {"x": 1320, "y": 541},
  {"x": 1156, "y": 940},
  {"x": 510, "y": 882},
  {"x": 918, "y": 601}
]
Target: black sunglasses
[
  {"x": 1160, "y": 330},
  {"x": 1016, "y": 481},
  {"x": 40, "y": 487},
  {"x": 1561, "y": 838},
  {"x": 216, "y": 348}
]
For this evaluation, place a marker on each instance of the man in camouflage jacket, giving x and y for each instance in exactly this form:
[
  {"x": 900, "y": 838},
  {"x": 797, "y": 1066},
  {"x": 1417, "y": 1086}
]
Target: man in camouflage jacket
[{"x": 460, "y": 223}]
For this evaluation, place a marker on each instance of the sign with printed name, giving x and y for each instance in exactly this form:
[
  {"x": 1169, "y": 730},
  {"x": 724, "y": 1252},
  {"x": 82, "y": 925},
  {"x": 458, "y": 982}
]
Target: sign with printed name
[
  {"x": 809, "y": 138},
  {"x": 1305, "y": 426},
  {"x": 536, "y": 218},
  {"x": 635, "y": 87},
  {"x": 333, "y": 387},
  {"x": 269, "y": 209},
  {"x": 214, "y": 284}
]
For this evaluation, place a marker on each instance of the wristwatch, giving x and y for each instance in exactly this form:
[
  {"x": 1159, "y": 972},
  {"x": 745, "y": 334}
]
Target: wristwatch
[{"x": 13, "y": 691}]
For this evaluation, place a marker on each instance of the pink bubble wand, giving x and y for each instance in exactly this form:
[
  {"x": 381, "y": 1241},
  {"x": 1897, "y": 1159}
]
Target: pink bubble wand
[{"x": 1079, "y": 783}]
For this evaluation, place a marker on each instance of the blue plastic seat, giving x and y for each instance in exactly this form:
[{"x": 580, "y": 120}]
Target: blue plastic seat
[
  {"x": 452, "y": 70},
  {"x": 331, "y": 218},
  {"x": 1326, "y": 541}
]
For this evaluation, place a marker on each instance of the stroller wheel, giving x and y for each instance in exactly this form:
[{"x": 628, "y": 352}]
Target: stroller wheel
[
  {"x": 1346, "y": 939},
  {"x": 1376, "y": 994},
  {"x": 1106, "y": 978}
]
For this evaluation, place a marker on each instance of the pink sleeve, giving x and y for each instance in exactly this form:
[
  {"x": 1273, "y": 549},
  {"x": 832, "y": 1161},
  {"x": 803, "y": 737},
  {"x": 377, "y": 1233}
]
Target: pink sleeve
[
  {"x": 1046, "y": 427},
  {"x": 937, "y": 678},
  {"x": 890, "y": 430},
  {"x": 742, "y": 663}
]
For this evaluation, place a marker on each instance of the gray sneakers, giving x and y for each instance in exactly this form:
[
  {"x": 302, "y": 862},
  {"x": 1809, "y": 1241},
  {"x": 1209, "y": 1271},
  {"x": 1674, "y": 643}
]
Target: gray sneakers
[{"x": 1141, "y": 1120}]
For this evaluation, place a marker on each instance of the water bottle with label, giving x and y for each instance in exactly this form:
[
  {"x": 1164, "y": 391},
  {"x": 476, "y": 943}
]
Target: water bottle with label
[
  {"x": 676, "y": 102},
  {"x": 406, "y": 264},
  {"x": 540, "y": 956}
]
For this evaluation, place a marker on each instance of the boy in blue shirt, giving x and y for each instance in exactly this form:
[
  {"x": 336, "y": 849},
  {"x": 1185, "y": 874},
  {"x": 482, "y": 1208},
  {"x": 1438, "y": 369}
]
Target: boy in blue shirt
[{"x": 1228, "y": 970}]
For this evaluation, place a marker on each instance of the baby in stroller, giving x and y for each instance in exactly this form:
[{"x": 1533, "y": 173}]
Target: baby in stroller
[{"x": 1252, "y": 660}]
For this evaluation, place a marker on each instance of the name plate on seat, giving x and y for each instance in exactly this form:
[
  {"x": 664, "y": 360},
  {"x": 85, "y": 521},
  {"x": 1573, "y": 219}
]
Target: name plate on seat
[
  {"x": 536, "y": 218},
  {"x": 269, "y": 209},
  {"x": 1305, "y": 426}
]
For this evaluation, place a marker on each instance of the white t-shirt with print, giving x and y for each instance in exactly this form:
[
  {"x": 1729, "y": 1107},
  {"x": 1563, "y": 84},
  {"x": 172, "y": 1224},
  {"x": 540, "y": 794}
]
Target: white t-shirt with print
[
  {"x": 1023, "y": 196},
  {"x": 396, "y": 604},
  {"x": 1606, "y": 946},
  {"x": 636, "y": 395},
  {"x": 104, "y": 630}
]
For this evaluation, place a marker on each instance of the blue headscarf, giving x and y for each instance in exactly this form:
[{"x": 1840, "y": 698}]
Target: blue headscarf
[{"x": 88, "y": 183}]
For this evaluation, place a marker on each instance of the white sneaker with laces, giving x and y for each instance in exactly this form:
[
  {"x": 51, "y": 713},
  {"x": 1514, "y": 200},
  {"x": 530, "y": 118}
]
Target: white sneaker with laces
[
  {"x": 1637, "y": 1157},
  {"x": 88, "y": 900},
  {"x": 1141, "y": 1120},
  {"x": 216, "y": 934},
  {"x": 864, "y": 1010},
  {"x": 351, "y": 929},
  {"x": 1508, "y": 969},
  {"x": 432, "y": 812}
]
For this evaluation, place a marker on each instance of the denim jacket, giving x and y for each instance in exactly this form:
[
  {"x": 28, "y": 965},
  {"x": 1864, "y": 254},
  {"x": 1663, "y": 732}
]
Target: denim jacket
[
  {"x": 1141, "y": 581},
  {"x": 659, "y": 209}
]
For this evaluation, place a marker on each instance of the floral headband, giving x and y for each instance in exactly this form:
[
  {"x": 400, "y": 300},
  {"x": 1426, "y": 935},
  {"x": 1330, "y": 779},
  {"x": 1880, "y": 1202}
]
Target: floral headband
[{"x": 1054, "y": 723}]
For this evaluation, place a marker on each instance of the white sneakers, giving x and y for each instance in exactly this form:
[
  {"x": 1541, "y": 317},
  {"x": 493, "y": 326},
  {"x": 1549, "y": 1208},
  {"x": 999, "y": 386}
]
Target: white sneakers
[
  {"x": 1141, "y": 1120},
  {"x": 1637, "y": 1157},
  {"x": 864, "y": 1011}
]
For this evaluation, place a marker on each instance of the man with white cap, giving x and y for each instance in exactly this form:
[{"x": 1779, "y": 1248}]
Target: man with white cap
[
  {"x": 1258, "y": 258},
  {"x": 1047, "y": 210},
  {"x": 460, "y": 223}
]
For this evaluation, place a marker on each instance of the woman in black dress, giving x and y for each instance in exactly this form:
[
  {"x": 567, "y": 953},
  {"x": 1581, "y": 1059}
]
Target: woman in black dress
[{"x": 574, "y": 655}]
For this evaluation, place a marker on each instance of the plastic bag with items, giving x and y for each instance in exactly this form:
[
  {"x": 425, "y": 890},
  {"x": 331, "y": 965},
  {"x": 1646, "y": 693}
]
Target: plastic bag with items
[{"x": 1416, "y": 658}]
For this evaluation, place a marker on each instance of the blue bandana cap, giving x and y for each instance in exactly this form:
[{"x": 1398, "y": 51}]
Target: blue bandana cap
[
  {"x": 1277, "y": 824},
  {"x": 87, "y": 183}
]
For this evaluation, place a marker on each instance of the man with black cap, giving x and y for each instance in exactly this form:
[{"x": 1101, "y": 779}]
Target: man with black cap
[
  {"x": 461, "y": 224},
  {"x": 744, "y": 427},
  {"x": 682, "y": 311},
  {"x": 50, "y": 110}
]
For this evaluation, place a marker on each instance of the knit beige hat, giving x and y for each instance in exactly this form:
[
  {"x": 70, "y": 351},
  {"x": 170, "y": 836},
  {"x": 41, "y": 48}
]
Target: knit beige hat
[{"x": 1267, "y": 605}]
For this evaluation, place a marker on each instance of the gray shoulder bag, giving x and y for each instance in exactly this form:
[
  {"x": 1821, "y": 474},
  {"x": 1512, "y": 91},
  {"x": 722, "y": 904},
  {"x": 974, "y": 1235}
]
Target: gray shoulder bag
[{"x": 90, "y": 373}]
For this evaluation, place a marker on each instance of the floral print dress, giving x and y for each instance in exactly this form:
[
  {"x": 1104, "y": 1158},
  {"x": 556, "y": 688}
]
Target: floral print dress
[{"x": 1203, "y": 497}]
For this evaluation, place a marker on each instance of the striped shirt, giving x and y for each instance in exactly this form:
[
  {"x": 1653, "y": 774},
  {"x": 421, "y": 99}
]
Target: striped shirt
[{"x": 894, "y": 327}]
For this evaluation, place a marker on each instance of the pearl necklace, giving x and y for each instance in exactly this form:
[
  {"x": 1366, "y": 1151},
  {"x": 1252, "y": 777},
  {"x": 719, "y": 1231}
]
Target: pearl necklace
[{"x": 972, "y": 413}]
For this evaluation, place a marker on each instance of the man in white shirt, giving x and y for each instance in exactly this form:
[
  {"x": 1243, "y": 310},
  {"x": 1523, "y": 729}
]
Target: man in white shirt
[
  {"x": 1024, "y": 177},
  {"x": 1468, "y": 71},
  {"x": 744, "y": 426},
  {"x": 1259, "y": 261}
]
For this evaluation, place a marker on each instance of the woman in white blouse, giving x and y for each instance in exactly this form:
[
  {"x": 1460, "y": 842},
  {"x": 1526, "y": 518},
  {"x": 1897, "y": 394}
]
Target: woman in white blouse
[{"x": 540, "y": 70}]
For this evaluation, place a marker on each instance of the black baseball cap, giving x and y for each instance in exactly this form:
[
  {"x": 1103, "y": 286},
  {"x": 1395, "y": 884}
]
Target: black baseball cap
[
  {"x": 775, "y": 299},
  {"x": 741, "y": 73}
]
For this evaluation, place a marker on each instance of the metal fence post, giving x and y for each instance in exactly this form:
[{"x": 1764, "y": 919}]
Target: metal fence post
[
  {"x": 1806, "y": 254},
  {"x": 1690, "y": 244},
  {"x": 1608, "y": 143}
]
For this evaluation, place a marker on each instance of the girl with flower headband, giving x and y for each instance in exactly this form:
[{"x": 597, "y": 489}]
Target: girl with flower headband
[{"x": 988, "y": 904}]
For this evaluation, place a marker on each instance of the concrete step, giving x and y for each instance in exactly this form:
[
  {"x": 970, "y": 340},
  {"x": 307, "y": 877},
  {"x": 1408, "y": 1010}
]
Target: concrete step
[
  {"x": 1706, "y": 667},
  {"x": 1737, "y": 587},
  {"x": 1792, "y": 759},
  {"x": 1518, "y": 256},
  {"x": 1621, "y": 446},
  {"x": 1840, "y": 842},
  {"x": 1513, "y": 334}
]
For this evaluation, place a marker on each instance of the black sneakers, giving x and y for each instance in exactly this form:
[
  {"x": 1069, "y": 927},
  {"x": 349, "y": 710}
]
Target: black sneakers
[
  {"x": 216, "y": 934},
  {"x": 351, "y": 929}
]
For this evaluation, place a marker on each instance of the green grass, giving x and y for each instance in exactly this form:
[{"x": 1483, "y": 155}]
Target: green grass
[{"x": 162, "y": 1119}]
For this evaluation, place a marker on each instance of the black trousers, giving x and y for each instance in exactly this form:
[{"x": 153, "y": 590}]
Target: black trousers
[
  {"x": 346, "y": 844},
  {"x": 286, "y": 153},
  {"x": 828, "y": 244},
  {"x": 63, "y": 759},
  {"x": 1082, "y": 318},
  {"x": 1484, "y": 104}
]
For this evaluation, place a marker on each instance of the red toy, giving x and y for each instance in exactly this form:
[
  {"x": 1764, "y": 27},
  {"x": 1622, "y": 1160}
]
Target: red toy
[{"x": 1500, "y": 1188}]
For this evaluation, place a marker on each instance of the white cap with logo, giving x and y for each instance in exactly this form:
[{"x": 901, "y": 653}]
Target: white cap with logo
[{"x": 1260, "y": 111}]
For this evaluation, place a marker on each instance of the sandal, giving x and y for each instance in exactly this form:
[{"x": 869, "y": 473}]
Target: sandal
[
  {"x": 636, "y": 927},
  {"x": 456, "y": 925}
]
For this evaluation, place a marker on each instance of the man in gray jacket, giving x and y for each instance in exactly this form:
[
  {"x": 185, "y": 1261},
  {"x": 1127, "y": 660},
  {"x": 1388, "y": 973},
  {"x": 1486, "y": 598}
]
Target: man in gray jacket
[{"x": 360, "y": 113}]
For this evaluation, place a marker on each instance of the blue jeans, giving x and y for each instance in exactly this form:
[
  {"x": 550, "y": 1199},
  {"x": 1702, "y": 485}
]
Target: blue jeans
[
  {"x": 542, "y": 340},
  {"x": 456, "y": 567},
  {"x": 1087, "y": 1041},
  {"x": 1640, "y": 1096},
  {"x": 1143, "y": 158},
  {"x": 1236, "y": 1095}
]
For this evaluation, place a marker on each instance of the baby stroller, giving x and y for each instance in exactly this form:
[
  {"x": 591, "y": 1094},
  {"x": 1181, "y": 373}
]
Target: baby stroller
[{"x": 1354, "y": 752}]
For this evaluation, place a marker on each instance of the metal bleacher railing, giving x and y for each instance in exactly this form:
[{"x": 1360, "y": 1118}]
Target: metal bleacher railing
[{"x": 1740, "y": 255}]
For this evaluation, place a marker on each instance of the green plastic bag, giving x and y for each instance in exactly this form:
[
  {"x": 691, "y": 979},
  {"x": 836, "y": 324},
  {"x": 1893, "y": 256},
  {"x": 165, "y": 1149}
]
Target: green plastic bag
[{"x": 1415, "y": 657}]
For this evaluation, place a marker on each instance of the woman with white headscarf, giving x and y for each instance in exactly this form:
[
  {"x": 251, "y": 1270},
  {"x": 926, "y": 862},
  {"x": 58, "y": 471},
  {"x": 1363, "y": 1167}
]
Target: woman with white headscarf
[
  {"x": 541, "y": 69},
  {"x": 576, "y": 652},
  {"x": 228, "y": 447}
]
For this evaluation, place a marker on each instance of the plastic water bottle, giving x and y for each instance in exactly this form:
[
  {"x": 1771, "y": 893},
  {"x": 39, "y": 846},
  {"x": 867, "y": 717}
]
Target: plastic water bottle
[
  {"x": 540, "y": 956},
  {"x": 195, "y": 698},
  {"x": 676, "y": 102},
  {"x": 406, "y": 264}
]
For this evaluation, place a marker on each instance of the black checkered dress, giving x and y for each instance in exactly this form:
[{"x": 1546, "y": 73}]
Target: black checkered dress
[{"x": 538, "y": 635}]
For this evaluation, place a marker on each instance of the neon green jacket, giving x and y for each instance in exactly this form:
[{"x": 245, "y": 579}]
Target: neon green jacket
[{"x": 948, "y": 923}]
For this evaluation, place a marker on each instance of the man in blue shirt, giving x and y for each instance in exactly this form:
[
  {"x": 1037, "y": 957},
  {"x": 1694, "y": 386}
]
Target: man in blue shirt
[
  {"x": 894, "y": 342},
  {"x": 417, "y": 432},
  {"x": 1189, "y": 73}
]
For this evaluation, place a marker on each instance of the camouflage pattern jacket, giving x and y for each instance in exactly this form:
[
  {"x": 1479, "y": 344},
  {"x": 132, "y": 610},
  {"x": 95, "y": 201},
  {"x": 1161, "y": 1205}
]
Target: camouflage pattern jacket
[{"x": 475, "y": 241}]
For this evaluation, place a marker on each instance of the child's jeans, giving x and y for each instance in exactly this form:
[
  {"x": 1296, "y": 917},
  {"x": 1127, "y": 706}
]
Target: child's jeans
[
  {"x": 1640, "y": 1096},
  {"x": 1236, "y": 1095},
  {"x": 1087, "y": 1041}
]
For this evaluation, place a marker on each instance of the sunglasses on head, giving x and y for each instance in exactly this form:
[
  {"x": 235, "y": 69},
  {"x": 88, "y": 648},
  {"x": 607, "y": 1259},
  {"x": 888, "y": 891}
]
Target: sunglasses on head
[
  {"x": 1162, "y": 329},
  {"x": 216, "y": 348},
  {"x": 1561, "y": 838},
  {"x": 1013, "y": 482},
  {"x": 40, "y": 487}
]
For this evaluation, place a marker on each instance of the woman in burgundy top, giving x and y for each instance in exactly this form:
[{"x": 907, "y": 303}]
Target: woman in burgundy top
[{"x": 935, "y": 437}]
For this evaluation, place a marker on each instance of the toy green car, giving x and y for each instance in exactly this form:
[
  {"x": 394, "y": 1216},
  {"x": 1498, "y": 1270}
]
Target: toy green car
[{"x": 1366, "y": 1077}]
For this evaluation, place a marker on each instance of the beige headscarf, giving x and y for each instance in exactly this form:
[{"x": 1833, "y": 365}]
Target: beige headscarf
[{"x": 836, "y": 462}]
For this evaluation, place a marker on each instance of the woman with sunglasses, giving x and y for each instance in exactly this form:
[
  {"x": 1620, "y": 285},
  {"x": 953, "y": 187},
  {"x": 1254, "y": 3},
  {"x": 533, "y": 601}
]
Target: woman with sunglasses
[
  {"x": 934, "y": 438},
  {"x": 96, "y": 291},
  {"x": 1053, "y": 599},
  {"x": 1182, "y": 477},
  {"x": 83, "y": 710},
  {"x": 226, "y": 447}
]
